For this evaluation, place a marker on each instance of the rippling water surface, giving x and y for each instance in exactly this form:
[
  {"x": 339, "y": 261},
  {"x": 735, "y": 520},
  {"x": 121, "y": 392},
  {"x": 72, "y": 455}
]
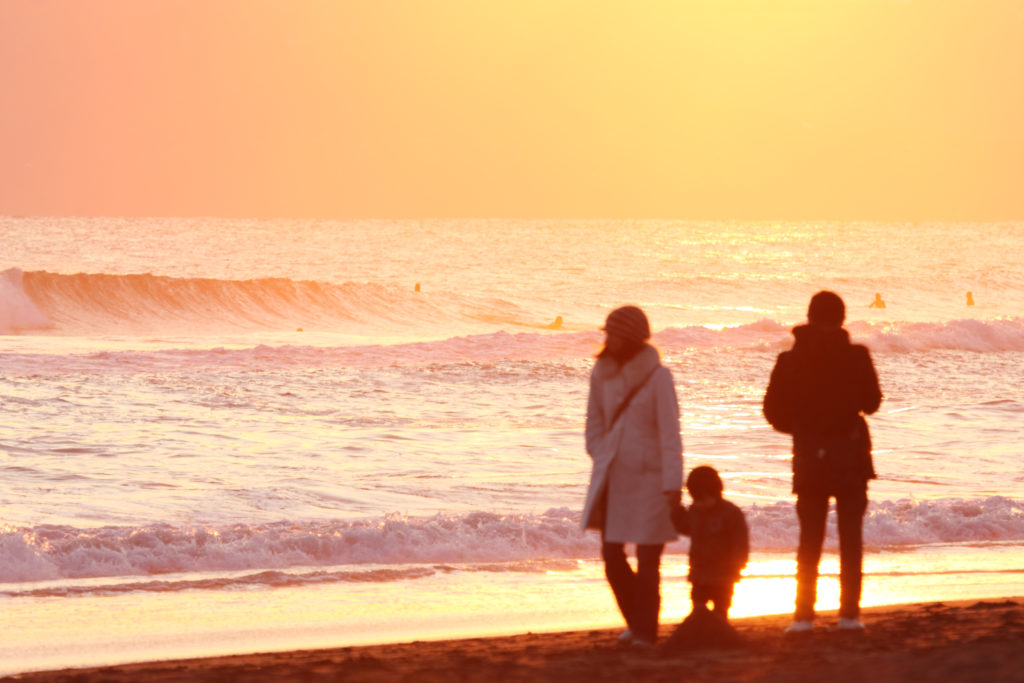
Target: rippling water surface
[{"x": 270, "y": 411}]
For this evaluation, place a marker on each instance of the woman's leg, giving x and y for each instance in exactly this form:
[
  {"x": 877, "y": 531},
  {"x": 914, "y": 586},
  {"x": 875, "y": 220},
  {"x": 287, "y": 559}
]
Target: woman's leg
[
  {"x": 621, "y": 579},
  {"x": 647, "y": 591}
]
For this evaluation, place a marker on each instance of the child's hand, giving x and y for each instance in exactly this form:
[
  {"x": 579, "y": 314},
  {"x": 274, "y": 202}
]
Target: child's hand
[{"x": 680, "y": 517}]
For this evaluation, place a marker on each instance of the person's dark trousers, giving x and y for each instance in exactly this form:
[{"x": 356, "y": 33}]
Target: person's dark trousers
[
  {"x": 812, "y": 510},
  {"x": 637, "y": 593},
  {"x": 719, "y": 595}
]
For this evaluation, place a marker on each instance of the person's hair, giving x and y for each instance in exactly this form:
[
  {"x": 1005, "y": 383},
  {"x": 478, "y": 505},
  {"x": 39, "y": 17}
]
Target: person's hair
[
  {"x": 628, "y": 323},
  {"x": 629, "y": 348},
  {"x": 826, "y": 308},
  {"x": 704, "y": 481}
]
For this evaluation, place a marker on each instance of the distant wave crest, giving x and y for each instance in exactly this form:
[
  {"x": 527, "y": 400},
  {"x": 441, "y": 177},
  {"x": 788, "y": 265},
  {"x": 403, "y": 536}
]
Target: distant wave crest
[
  {"x": 145, "y": 304},
  {"x": 1001, "y": 334},
  {"x": 86, "y": 303}
]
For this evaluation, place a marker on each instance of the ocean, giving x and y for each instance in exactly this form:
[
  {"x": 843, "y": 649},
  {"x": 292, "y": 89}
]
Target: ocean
[{"x": 227, "y": 436}]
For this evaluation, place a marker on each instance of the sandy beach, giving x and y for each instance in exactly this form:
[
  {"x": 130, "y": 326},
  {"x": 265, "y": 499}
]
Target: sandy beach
[{"x": 963, "y": 641}]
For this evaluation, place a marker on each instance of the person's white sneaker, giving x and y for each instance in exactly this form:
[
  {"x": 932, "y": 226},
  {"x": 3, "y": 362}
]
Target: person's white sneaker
[
  {"x": 641, "y": 643},
  {"x": 800, "y": 626},
  {"x": 626, "y": 637},
  {"x": 846, "y": 624}
]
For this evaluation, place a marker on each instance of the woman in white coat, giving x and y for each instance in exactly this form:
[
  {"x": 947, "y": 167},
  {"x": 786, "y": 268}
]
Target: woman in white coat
[{"x": 634, "y": 440}]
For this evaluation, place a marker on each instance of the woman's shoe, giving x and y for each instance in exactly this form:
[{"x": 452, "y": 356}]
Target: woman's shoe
[{"x": 800, "y": 626}]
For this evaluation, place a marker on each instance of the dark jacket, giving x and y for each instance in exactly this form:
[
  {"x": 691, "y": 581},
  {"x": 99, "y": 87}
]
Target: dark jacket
[
  {"x": 719, "y": 543},
  {"x": 819, "y": 392}
]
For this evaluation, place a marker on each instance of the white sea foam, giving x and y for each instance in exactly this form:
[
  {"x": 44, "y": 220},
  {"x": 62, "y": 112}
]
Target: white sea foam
[
  {"x": 482, "y": 539},
  {"x": 1002, "y": 334},
  {"x": 17, "y": 311},
  {"x": 961, "y": 335}
]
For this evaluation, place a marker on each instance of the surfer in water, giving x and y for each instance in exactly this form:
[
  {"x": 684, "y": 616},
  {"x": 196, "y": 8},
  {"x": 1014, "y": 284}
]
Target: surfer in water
[{"x": 878, "y": 302}]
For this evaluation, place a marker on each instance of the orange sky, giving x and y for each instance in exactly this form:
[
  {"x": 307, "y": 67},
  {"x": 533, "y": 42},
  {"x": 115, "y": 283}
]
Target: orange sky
[{"x": 760, "y": 109}]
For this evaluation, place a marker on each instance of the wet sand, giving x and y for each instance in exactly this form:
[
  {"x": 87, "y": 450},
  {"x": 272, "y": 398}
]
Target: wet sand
[{"x": 949, "y": 642}]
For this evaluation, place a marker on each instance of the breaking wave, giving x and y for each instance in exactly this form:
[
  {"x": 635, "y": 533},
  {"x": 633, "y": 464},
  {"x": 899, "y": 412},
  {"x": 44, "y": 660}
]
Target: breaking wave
[
  {"x": 1001, "y": 334},
  {"x": 1007, "y": 335},
  {"x": 84, "y": 304},
  {"x": 17, "y": 310},
  {"x": 149, "y": 304},
  {"x": 396, "y": 547}
]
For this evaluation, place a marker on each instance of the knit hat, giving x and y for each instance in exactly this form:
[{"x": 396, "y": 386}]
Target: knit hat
[
  {"x": 628, "y": 322},
  {"x": 826, "y": 309}
]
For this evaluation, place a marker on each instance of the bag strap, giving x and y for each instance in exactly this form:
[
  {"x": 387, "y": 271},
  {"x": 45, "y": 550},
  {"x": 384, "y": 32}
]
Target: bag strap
[{"x": 629, "y": 397}]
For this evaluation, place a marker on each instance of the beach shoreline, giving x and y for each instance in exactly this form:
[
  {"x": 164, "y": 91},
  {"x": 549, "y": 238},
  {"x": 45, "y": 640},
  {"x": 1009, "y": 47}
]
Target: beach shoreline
[{"x": 949, "y": 641}]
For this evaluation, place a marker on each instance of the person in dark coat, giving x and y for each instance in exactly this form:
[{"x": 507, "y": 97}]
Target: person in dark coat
[
  {"x": 819, "y": 392},
  {"x": 719, "y": 541}
]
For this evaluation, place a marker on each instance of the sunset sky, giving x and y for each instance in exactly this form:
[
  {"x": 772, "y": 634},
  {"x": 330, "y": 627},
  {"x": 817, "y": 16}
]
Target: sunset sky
[{"x": 746, "y": 109}]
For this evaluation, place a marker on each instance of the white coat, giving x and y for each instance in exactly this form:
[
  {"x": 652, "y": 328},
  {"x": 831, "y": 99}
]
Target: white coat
[{"x": 641, "y": 458}]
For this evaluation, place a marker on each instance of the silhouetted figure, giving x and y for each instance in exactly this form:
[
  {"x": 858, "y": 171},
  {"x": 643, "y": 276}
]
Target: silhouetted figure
[
  {"x": 555, "y": 324},
  {"x": 703, "y": 630},
  {"x": 719, "y": 541},
  {"x": 417, "y": 287},
  {"x": 632, "y": 435},
  {"x": 970, "y": 299},
  {"x": 878, "y": 302},
  {"x": 819, "y": 392}
]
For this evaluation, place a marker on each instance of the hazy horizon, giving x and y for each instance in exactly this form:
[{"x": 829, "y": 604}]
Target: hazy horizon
[{"x": 884, "y": 110}]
